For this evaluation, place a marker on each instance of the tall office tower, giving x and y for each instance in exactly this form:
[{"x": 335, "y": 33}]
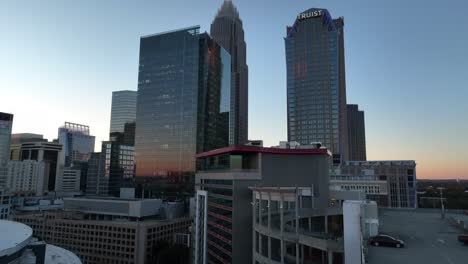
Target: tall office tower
[
  {"x": 183, "y": 107},
  {"x": 6, "y": 124},
  {"x": 95, "y": 182},
  {"x": 123, "y": 115},
  {"x": 77, "y": 143},
  {"x": 316, "y": 82},
  {"x": 356, "y": 133},
  {"x": 228, "y": 31},
  {"x": 111, "y": 169}
]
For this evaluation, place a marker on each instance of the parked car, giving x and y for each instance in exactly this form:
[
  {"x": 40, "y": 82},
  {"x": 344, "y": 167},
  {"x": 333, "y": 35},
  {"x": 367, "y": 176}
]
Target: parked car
[
  {"x": 386, "y": 241},
  {"x": 463, "y": 239}
]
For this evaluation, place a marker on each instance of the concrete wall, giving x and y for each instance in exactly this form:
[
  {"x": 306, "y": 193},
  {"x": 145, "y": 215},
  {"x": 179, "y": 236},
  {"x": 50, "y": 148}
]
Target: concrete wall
[
  {"x": 300, "y": 171},
  {"x": 242, "y": 222}
]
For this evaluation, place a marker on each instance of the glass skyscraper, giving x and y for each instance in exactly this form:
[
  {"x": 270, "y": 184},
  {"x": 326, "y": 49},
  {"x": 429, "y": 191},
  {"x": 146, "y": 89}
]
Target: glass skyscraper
[
  {"x": 123, "y": 115},
  {"x": 77, "y": 143},
  {"x": 183, "y": 107},
  {"x": 110, "y": 170},
  {"x": 356, "y": 133},
  {"x": 316, "y": 88},
  {"x": 6, "y": 124},
  {"x": 227, "y": 30}
]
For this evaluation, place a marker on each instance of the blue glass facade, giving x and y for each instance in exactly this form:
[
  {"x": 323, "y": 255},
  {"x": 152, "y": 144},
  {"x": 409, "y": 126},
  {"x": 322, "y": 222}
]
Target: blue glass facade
[
  {"x": 77, "y": 143},
  {"x": 315, "y": 81},
  {"x": 182, "y": 108}
]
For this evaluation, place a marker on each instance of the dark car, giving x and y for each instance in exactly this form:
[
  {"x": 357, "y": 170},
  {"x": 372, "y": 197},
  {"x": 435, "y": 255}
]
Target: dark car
[
  {"x": 463, "y": 239},
  {"x": 386, "y": 241}
]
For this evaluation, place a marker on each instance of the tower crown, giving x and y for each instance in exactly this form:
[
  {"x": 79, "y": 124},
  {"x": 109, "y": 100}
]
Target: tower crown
[{"x": 228, "y": 10}]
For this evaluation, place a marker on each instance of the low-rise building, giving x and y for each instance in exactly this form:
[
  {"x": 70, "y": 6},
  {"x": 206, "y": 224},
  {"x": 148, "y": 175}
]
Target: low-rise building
[
  {"x": 108, "y": 230},
  {"x": 17, "y": 245},
  {"x": 399, "y": 175},
  {"x": 373, "y": 187}
]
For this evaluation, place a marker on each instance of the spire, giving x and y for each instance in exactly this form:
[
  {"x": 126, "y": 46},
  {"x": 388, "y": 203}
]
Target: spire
[{"x": 228, "y": 10}]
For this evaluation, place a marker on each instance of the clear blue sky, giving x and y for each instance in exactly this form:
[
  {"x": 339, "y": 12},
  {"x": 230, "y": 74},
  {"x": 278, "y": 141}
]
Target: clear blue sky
[{"x": 406, "y": 66}]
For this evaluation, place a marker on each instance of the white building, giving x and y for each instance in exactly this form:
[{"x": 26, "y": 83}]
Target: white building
[
  {"x": 26, "y": 177},
  {"x": 17, "y": 245},
  {"x": 400, "y": 176}
]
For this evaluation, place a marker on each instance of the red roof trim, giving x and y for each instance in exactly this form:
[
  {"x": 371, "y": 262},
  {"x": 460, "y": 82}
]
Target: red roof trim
[{"x": 253, "y": 149}]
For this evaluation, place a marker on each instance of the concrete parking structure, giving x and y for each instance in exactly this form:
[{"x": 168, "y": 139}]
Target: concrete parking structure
[{"x": 428, "y": 239}]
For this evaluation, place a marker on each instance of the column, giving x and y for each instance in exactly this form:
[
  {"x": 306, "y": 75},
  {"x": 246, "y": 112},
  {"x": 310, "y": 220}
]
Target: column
[
  {"x": 281, "y": 227},
  {"x": 330, "y": 257},
  {"x": 269, "y": 224},
  {"x": 326, "y": 224},
  {"x": 254, "y": 221},
  {"x": 296, "y": 215}
]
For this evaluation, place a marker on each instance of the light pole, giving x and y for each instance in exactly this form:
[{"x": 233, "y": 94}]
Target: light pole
[{"x": 442, "y": 202}]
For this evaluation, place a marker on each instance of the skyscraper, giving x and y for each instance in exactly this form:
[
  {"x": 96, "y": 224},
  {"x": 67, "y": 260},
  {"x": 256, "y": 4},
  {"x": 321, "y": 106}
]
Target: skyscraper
[
  {"x": 228, "y": 31},
  {"x": 111, "y": 169},
  {"x": 316, "y": 88},
  {"x": 183, "y": 107},
  {"x": 6, "y": 124},
  {"x": 77, "y": 143},
  {"x": 123, "y": 115},
  {"x": 356, "y": 133}
]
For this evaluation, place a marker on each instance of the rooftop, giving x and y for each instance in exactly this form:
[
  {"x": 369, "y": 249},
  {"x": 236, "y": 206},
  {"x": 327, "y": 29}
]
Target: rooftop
[
  {"x": 382, "y": 163},
  {"x": 427, "y": 237},
  {"x": 254, "y": 149},
  {"x": 58, "y": 255},
  {"x": 14, "y": 236}
]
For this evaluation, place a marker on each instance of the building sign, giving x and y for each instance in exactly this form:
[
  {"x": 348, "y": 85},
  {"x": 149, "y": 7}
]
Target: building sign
[{"x": 311, "y": 14}]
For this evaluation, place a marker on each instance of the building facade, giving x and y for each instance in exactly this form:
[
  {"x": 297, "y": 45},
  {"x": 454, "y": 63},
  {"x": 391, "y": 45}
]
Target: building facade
[
  {"x": 373, "y": 187},
  {"x": 183, "y": 107},
  {"x": 77, "y": 143},
  {"x": 106, "y": 230},
  {"x": 123, "y": 110},
  {"x": 316, "y": 89},
  {"x": 96, "y": 184},
  {"x": 27, "y": 177},
  {"x": 71, "y": 180},
  {"x": 5, "y": 204},
  {"x": 20, "y": 138},
  {"x": 226, "y": 175},
  {"x": 51, "y": 154},
  {"x": 399, "y": 175},
  {"x": 6, "y": 124},
  {"x": 111, "y": 169},
  {"x": 356, "y": 133},
  {"x": 289, "y": 229},
  {"x": 227, "y": 30}
]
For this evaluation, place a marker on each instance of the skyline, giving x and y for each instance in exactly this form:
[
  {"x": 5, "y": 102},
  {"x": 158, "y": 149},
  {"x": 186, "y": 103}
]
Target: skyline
[{"x": 89, "y": 57}]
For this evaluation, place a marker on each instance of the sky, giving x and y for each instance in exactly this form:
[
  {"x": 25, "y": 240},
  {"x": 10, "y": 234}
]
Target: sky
[{"x": 406, "y": 67}]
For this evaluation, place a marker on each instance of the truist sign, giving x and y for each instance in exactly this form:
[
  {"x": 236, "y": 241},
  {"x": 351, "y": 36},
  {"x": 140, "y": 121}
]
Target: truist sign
[{"x": 310, "y": 14}]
